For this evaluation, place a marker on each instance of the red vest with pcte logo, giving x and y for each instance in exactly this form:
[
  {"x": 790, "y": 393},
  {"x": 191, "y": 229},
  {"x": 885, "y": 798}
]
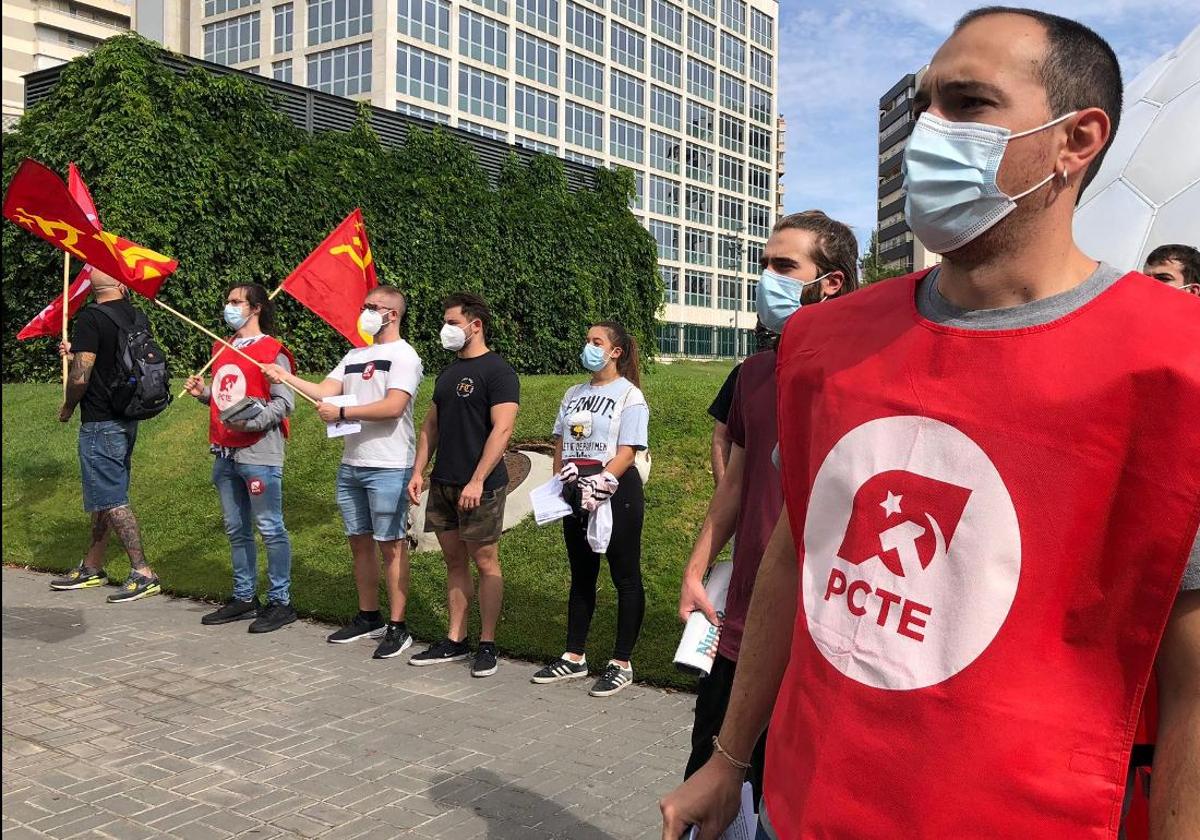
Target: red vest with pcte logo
[
  {"x": 235, "y": 377},
  {"x": 991, "y": 529}
]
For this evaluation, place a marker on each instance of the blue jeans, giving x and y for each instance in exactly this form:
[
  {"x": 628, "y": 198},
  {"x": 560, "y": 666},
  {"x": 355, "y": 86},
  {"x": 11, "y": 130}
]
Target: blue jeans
[
  {"x": 252, "y": 496},
  {"x": 105, "y": 458},
  {"x": 374, "y": 500}
]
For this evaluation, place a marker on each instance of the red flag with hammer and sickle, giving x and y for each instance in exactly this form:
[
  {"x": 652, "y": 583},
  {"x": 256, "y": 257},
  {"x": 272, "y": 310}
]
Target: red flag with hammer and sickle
[
  {"x": 49, "y": 320},
  {"x": 39, "y": 201},
  {"x": 334, "y": 279}
]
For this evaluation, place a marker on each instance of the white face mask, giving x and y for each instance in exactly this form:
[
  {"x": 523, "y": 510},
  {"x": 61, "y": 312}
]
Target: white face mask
[
  {"x": 950, "y": 180},
  {"x": 453, "y": 338},
  {"x": 370, "y": 322}
]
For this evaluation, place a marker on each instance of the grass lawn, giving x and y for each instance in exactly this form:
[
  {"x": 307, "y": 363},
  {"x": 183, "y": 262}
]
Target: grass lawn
[{"x": 45, "y": 527}]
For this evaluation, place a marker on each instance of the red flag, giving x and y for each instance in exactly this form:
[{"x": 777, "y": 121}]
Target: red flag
[
  {"x": 38, "y": 200},
  {"x": 48, "y": 322},
  {"x": 333, "y": 280}
]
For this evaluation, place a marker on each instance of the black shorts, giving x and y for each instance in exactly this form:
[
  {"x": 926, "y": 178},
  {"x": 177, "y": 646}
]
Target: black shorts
[{"x": 483, "y": 524}]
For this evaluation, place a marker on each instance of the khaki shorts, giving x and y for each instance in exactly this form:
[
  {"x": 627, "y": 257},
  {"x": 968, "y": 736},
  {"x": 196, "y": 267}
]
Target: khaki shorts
[{"x": 483, "y": 524}]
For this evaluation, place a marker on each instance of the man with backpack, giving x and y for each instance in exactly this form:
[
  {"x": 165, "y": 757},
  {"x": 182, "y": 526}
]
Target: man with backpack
[{"x": 117, "y": 376}]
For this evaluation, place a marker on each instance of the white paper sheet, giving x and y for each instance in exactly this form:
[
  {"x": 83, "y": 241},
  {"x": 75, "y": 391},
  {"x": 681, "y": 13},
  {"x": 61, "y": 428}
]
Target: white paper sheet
[
  {"x": 744, "y": 825},
  {"x": 548, "y": 504},
  {"x": 340, "y": 428}
]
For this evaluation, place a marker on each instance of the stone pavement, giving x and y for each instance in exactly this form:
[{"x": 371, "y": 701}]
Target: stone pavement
[{"x": 134, "y": 721}]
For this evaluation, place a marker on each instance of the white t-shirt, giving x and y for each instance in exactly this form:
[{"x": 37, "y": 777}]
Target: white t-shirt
[
  {"x": 369, "y": 373},
  {"x": 586, "y": 415}
]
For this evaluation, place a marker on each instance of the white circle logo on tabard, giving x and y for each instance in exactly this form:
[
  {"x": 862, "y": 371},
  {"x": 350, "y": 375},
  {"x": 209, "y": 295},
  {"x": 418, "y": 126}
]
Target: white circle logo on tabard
[
  {"x": 912, "y": 553},
  {"x": 228, "y": 386}
]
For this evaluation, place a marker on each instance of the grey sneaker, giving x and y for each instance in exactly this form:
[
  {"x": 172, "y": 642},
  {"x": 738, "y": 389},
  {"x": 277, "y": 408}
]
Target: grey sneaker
[
  {"x": 612, "y": 680},
  {"x": 135, "y": 588},
  {"x": 81, "y": 577}
]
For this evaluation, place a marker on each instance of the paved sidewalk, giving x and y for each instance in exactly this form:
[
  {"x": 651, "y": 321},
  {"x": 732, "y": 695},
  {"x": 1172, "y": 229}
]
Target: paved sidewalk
[{"x": 134, "y": 721}]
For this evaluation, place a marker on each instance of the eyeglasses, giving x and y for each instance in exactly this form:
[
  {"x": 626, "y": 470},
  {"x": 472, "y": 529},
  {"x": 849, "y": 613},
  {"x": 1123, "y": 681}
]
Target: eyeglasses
[{"x": 374, "y": 307}]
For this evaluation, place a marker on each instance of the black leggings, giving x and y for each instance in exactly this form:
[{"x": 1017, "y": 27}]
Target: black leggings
[{"x": 624, "y": 564}]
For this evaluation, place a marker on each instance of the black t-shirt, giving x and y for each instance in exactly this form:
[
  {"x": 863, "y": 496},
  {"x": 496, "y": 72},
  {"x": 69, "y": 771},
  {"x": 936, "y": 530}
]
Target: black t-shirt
[
  {"x": 94, "y": 332},
  {"x": 719, "y": 410},
  {"x": 464, "y": 395}
]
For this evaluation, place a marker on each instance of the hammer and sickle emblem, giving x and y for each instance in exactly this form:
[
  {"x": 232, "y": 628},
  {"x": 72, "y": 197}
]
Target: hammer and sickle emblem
[
  {"x": 70, "y": 233},
  {"x": 133, "y": 254},
  {"x": 362, "y": 260}
]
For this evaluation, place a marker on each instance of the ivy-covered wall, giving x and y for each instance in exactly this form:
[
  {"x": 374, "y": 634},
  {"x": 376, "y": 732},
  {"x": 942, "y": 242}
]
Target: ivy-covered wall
[{"x": 202, "y": 168}]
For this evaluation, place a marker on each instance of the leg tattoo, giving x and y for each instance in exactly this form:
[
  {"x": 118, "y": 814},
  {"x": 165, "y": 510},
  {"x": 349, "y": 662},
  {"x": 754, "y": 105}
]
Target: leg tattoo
[
  {"x": 124, "y": 523},
  {"x": 100, "y": 531}
]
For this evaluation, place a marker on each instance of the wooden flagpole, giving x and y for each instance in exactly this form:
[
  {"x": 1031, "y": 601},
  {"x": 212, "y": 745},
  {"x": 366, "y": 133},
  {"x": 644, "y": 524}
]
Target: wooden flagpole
[
  {"x": 220, "y": 340},
  {"x": 209, "y": 363},
  {"x": 66, "y": 306}
]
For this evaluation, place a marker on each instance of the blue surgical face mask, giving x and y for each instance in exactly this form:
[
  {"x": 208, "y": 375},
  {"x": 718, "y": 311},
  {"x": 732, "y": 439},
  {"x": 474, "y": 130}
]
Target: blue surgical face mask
[
  {"x": 779, "y": 297},
  {"x": 593, "y": 357},
  {"x": 951, "y": 195},
  {"x": 235, "y": 317}
]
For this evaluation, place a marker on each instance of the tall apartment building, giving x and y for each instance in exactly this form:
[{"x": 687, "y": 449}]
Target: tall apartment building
[
  {"x": 683, "y": 92},
  {"x": 42, "y": 33},
  {"x": 898, "y": 248}
]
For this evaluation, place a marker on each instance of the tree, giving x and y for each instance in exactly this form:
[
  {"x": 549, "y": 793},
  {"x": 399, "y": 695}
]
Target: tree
[
  {"x": 871, "y": 270},
  {"x": 206, "y": 169}
]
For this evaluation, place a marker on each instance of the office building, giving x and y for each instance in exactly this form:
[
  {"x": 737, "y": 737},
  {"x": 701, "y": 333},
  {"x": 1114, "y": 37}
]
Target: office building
[
  {"x": 683, "y": 92},
  {"x": 42, "y": 33},
  {"x": 898, "y": 248}
]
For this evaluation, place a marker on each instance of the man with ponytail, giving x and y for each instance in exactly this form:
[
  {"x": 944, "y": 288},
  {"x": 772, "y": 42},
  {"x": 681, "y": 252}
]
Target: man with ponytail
[
  {"x": 601, "y": 426},
  {"x": 247, "y": 430}
]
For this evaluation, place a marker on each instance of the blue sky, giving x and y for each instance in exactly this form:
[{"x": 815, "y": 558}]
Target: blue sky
[{"x": 837, "y": 58}]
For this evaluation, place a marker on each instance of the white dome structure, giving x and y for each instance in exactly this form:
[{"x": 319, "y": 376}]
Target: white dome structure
[{"x": 1147, "y": 192}]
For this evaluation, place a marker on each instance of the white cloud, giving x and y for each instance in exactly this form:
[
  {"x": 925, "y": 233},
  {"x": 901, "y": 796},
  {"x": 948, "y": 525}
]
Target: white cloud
[{"x": 837, "y": 60}]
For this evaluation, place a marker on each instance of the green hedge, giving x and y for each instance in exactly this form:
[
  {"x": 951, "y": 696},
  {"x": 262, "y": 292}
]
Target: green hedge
[{"x": 203, "y": 168}]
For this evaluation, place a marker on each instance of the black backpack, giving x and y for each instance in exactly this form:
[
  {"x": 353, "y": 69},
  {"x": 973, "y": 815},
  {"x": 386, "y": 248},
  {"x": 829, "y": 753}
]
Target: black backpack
[{"x": 142, "y": 386}]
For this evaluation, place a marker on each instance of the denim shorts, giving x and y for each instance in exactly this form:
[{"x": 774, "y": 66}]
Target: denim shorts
[
  {"x": 374, "y": 500},
  {"x": 105, "y": 457}
]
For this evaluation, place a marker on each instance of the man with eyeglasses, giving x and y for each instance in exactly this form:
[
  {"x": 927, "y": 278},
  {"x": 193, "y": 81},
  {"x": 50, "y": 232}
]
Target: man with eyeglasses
[
  {"x": 1175, "y": 265},
  {"x": 372, "y": 481}
]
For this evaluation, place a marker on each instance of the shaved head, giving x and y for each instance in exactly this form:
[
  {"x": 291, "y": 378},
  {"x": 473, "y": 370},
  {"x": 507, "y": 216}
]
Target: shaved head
[{"x": 389, "y": 296}]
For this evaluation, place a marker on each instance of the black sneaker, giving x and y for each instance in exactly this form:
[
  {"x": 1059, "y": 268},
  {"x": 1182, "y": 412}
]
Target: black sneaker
[
  {"x": 443, "y": 651},
  {"x": 561, "y": 669},
  {"x": 395, "y": 641},
  {"x": 361, "y": 628},
  {"x": 612, "y": 680},
  {"x": 273, "y": 616},
  {"x": 232, "y": 610},
  {"x": 80, "y": 578},
  {"x": 135, "y": 588},
  {"x": 485, "y": 663}
]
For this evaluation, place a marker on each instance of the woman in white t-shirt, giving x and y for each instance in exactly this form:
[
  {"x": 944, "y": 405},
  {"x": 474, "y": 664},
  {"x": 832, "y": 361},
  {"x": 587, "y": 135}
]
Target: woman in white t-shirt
[{"x": 601, "y": 426}]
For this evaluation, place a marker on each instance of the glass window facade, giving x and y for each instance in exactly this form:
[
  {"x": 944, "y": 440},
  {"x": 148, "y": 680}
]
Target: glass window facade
[
  {"x": 701, "y": 121},
  {"x": 665, "y": 108},
  {"x": 762, "y": 67},
  {"x": 665, "y": 152},
  {"x": 483, "y": 39},
  {"x": 670, "y": 284},
  {"x": 285, "y": 21},
  {"x": 422, "y": 74},
  {"x": 233, "y": 40},
  {"x": 535, "y": 110},
  {"x": 733, "y": 93},
  {"x": 666, "y": 64},
  {"x": 760, "y": 106},
  {"x": 427, "y": 20},
  {"x": 633, "y": 11},
  {"x": 667, "y": 237},
  {"x": 628, "y": 47},
  {"x": 733, "y": 133},
  {"x": 730, "y": 173},
  {"x": 758, "y": 220},
  {"x": 699, "y": 205},
  {"x": 697, "y": 291},
  {"x": 536, "y": 59},
  {"x": 728, "y": 297},
  {"x": 664, "y": 196},
  {"x": 762, "y": 28},
  {"x": 699, "y": 164},
  {"x": 627, "y": 94},
  {"x": 666, "y": 20},
  {"x": 540, "y": 14},
  {"x": 343, "y": 71},
  {"x": 701, "y": 79},
  {"x": 729, "y": 213},
  {"x": 733, "y": 15},
  {"x": 585, "y": 28},
  {"x": 759, "y": 182},
  {"x": 585, "y": 78},
  {"x": 482, "y": 94},
  {"x": 626, "y": 140},
  {"x": 584, "y": 126},
  {"x": 281, "y": 71},
  {"x": 733, "y": 53},
  {"x": 333, "y": 20},
  {"x": 698, "y": 247}
]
